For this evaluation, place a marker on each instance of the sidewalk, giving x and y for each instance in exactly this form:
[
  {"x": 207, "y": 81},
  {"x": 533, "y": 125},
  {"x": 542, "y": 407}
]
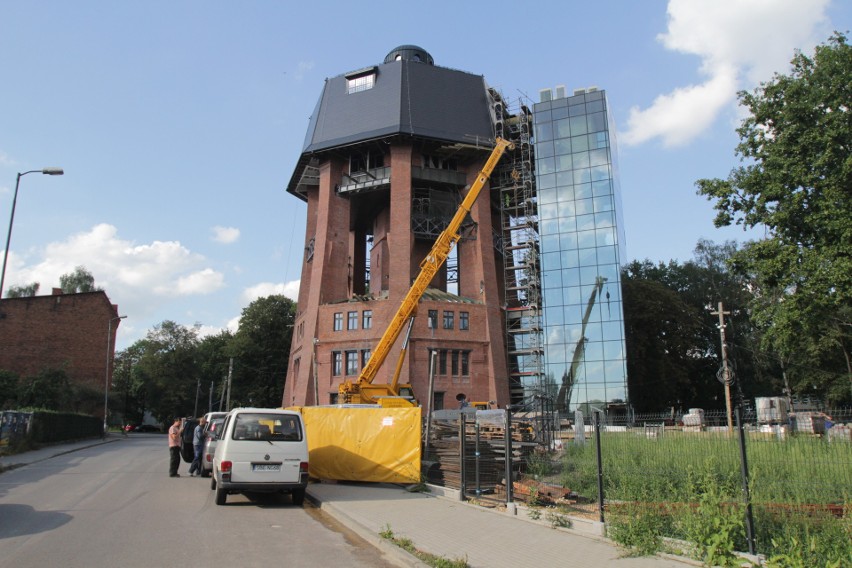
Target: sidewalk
[
  {"x": 47, "y": 452},
  {"x": 456, "y": 530},
  {"x": 440, "y": 525}
]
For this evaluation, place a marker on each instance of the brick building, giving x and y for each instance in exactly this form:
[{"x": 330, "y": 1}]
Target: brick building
[
  {"x": 60, "y": 331},
  {"x": 389, "y": 153},
  {"x": 528, "y": 308}
]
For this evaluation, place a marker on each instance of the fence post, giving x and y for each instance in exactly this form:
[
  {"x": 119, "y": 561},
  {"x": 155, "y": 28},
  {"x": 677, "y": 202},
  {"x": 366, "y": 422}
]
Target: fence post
[
  {"x": 462, "y": 427},
  {"x": 600, "y": 465},
  {"x": 508, "y": 435},
  {"x": 749, "y": 518},
  {"x": 477, "y": 455}
]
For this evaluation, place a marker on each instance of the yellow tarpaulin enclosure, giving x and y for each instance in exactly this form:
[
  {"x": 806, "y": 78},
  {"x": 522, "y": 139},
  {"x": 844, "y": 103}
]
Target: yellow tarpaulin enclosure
[{"x": 363, "y": 443}]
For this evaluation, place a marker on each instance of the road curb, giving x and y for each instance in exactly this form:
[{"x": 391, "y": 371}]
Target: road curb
[{"x": 394, "y": 554}]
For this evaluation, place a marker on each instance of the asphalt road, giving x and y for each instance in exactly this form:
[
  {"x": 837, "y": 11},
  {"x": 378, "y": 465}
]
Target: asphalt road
[{"x": 114, "y": 505}]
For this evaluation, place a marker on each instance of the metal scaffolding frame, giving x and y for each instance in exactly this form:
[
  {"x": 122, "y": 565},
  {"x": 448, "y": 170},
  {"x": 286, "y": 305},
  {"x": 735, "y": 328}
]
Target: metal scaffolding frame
[{"x": 513, "y": 182}]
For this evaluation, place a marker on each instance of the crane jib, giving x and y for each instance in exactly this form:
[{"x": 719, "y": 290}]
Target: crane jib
[{"x": 428, "y": 268}]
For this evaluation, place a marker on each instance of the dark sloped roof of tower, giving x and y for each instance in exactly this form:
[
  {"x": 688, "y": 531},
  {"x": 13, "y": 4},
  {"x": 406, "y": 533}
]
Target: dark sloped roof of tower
[{"x": 408, "y": 98}]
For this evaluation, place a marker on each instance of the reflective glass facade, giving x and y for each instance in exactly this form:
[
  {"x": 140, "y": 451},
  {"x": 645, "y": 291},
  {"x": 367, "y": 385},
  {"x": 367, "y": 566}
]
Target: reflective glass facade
[{"x": 581, "y": 243}]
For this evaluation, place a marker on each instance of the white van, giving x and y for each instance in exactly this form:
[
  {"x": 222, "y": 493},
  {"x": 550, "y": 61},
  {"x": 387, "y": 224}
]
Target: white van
[{"x": 261, "y": 450}]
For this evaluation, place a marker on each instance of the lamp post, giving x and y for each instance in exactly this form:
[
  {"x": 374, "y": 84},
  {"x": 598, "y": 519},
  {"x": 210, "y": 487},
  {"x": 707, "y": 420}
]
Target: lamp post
[
  {"x": 46, "y": 171},
  {"x": 106, "y": 383}
]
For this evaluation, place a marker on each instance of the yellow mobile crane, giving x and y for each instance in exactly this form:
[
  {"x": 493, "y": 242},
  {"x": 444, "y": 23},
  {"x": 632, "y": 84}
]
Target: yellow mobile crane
[{"x": 394, "y": 394}]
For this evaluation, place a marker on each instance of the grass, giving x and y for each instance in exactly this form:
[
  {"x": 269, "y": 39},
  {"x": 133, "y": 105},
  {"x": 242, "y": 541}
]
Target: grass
[
  {"x": 425, "y": 557},
  {"x": 689, "y": 486}
]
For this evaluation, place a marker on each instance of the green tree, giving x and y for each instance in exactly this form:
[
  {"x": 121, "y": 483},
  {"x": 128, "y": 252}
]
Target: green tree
[
  {"x": 81, "y": 280},
  {"x": 262, "y": 349},
  {"x": 130, "y": 388},
  {"x": 673, "y": 340},
  {"x": 167, "y": 368},
  {"x": 662, "y": 332},
  {"x": 797, "y": 183},
  {"x": 212, "y": 359},
  {"x": 8, "y": 389},
  {"x": 49, "y": 389},
  {"x": 26, "y": 291}
]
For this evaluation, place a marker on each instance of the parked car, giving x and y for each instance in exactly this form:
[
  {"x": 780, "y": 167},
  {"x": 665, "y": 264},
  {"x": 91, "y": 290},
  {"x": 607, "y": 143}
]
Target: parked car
[
  {"x": 142, "y": 428},
  {"x": 261, "y": 450},
  {"x": 187, "y": 450},
  {"x": 211, "y": 437}
]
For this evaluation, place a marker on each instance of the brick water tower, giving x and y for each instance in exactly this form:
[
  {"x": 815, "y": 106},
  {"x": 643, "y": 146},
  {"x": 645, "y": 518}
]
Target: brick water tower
[{"x": 388, "y": 156}]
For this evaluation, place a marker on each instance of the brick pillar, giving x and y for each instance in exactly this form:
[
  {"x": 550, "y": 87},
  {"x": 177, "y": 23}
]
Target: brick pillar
[{"x": 324, "y": 277}]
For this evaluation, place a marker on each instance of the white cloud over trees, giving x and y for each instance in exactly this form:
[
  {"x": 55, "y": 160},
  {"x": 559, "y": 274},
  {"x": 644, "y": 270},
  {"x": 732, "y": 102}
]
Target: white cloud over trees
[{"x": 739, "y": 44}]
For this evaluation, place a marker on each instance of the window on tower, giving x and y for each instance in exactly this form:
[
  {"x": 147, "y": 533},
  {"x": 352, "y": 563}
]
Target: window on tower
[{"x": 361, "y": 80}]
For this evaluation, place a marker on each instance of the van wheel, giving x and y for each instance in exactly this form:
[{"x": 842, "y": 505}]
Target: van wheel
[
  {"x": 298, "y": 497},
  {"x": 221, "y": 496},
  {"x": 212, "y": 483},
  {"x": 205, "y": 473}
]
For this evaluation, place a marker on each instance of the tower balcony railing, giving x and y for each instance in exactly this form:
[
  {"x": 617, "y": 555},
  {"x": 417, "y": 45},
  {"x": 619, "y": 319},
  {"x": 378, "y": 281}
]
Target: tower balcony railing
[{"x": 357, "y": 182}]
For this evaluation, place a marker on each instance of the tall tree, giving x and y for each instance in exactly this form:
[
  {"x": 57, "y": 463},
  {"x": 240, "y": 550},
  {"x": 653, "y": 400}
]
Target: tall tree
[
  {"x": 212, "y": 359},
  {"x": 662, "y": 333},
  {"x": 797, "y": 143},
  {"x": 167, "y": 365},
  {"x": 81, "y": 280},
  {"x": 262, "y": 349},
  {"x": 673, "y": 340}
]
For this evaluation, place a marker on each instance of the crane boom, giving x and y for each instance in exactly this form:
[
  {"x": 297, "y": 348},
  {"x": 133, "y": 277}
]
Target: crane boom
[
  {"x": 428, "y": 268},
  {"x": 563, "y": 398}
]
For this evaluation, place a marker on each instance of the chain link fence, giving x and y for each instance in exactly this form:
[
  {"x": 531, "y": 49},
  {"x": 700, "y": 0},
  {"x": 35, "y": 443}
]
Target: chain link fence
[{"x": 790, "y": 479}]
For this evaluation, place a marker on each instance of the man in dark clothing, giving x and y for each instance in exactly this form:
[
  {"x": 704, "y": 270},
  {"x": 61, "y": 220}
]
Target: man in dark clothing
[{"x": 198, "y": 446}]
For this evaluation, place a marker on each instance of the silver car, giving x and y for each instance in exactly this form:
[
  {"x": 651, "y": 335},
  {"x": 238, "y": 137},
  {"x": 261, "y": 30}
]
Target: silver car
[{"x": 211, "y": 436}]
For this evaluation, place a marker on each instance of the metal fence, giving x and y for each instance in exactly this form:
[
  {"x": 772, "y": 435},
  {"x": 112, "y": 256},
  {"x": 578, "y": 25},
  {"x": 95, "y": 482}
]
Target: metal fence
[{"x": 792, "y": 478}]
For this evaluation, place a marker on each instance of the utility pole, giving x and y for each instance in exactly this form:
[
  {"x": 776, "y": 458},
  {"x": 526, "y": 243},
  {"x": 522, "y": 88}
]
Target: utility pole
[
  {"x": 197, "y": 394},
  {"x": 726, "y": 377},
  {"x": 230, "y": 375}
]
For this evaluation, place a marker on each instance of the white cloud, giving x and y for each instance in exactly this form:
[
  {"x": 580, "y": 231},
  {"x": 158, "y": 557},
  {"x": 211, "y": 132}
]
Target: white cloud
[
  {"x": 288, "y": 289},
  {"x": 225, "y": 235},
  {"x": 233, "y": 324},
  {"x": 5, "y": 160},
  {"x": 739, "y": 44},
  {"x": 140, "y": 278},
  {"x": 208, "y": 330},
  {"x": 201, "y": 282}
]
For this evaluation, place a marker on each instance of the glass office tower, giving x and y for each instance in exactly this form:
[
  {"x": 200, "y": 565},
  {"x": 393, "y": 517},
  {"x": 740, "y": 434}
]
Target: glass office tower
[{"x": 581, "y": 243}]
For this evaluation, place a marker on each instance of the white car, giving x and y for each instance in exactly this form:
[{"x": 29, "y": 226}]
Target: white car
[
  {"x": 261, "y": 450},
  {"x": 211, "y": 439}
]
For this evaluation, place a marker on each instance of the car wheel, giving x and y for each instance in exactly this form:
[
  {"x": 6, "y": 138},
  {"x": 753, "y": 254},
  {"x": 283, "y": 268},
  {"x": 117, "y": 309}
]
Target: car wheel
[
  {"x": 205, "y": 473},
  {"x": 221, "y": 496},
  {"x": 212, "y": 483},
  {"x": 298, "y": 497}
]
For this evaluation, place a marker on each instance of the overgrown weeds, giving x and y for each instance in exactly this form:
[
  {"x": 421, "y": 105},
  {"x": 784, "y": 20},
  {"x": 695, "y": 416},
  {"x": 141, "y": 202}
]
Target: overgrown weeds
[{"x": 433, "y": 560}]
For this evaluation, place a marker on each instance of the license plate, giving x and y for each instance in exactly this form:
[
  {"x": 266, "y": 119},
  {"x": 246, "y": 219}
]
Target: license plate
[{"x": 266, "y": 467}]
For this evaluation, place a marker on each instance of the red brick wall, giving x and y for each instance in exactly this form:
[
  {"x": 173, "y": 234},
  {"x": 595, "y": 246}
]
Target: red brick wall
[
  {"x": 66, "y": 331},
  {"x": 395, "y": 259}
]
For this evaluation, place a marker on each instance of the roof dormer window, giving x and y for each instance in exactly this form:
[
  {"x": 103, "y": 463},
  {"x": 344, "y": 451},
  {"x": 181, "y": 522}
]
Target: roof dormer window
[{"x": 360, "y": 80}]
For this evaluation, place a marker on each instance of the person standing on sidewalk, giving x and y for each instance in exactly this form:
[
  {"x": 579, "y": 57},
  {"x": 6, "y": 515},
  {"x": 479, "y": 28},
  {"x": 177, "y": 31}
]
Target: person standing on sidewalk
[
  {"x": 174, "y": 447},
  {"x": 198, "y": 446}
]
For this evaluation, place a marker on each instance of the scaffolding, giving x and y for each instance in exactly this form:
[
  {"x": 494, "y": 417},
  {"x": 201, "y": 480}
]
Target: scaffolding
[{"x": 513, "y": 182}]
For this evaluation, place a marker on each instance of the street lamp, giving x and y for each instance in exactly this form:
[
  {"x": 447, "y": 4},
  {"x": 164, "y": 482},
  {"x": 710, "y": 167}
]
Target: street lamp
[
  {"x": 46, "y": 171},
  {"x": 106, "y": 383}
]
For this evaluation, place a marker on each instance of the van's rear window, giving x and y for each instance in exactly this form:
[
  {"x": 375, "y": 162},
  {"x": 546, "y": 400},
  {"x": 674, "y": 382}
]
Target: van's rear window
[{"x": 267, "y": 427}]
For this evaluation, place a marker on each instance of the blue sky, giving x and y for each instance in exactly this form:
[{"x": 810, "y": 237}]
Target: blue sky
[{"x": 178, "y": 124}]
